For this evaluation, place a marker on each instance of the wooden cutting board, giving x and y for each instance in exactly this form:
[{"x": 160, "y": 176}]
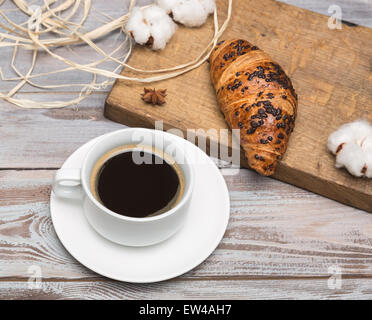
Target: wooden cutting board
[{"x": 331, "y": 71}]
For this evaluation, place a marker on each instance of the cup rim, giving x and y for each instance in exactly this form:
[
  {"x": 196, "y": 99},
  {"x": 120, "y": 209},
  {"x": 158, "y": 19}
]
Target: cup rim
[{"x": 184, "y": 199}]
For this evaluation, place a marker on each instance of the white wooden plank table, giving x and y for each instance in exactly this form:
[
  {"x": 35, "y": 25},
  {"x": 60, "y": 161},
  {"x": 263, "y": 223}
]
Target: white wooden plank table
[{"x": 281, "y": 241}]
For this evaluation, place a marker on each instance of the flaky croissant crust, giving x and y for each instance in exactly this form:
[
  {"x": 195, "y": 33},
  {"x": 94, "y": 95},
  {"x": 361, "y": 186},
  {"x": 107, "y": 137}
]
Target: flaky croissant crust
[{"x": 257, "y": 97}]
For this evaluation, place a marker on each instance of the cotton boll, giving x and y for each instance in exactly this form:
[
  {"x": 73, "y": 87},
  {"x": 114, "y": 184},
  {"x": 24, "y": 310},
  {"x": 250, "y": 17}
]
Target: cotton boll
[
  {"x": 349, "y": 133},
  {"x": 352, "y": 158},
  {"x": 137, "y": 28},
  {"x": 352, "y": 145},
  {"x": 152, "y": 26},
  {"x": 191, "y": 13},
  {"x": 161, "y": 25}
]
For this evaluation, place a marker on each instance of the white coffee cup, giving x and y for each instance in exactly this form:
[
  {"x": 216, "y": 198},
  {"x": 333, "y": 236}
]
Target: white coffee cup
[{"x": 75, "y": 184}]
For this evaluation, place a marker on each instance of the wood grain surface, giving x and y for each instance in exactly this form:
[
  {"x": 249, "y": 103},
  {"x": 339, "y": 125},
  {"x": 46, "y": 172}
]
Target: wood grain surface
[
  {"x": 277, "y": 234},
  {"x": 268, "y": 235},
  {"x": 188, "y": 290},
  {"x": 330, "y": 69},
  {"x": 280, "y": 242}
]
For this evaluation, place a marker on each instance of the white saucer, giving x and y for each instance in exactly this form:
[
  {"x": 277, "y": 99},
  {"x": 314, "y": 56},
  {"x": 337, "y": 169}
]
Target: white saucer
[{"x": 198, "y": 238}]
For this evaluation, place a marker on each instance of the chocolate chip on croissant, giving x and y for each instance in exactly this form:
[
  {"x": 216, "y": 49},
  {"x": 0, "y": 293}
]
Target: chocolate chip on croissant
[{"x": 257, "y": 97}]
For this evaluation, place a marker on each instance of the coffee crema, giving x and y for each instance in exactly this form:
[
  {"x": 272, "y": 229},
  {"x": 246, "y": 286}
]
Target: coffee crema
[{"x": 134, "y": 189}]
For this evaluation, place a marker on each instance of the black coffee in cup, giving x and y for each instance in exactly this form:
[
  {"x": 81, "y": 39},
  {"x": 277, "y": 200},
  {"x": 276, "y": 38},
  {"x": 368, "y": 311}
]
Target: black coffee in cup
[{"x": 134, "y": 189}]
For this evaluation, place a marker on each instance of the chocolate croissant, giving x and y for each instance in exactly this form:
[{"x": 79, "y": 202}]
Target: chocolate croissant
[{"x": 257, "y": 97}]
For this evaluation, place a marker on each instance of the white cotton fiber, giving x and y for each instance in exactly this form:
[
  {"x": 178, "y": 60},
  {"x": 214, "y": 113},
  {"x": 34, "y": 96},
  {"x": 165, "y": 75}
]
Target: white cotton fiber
[
  {"x": 191, "y": 13},
  {"x": 349, "y": 133},
  {"x": 367, "y": 143},
  {"x": 352, "y": 145},
  {"x": 167, "y": 5},
  {"x": 136, "y": 26},
  {"x": 148, "y": 22},
  {"x": 368, "y": 173},
  {"x": 367, "y": 146},
  {"x": 352, "y": 158},
  {"x": 208, "y": 5}
]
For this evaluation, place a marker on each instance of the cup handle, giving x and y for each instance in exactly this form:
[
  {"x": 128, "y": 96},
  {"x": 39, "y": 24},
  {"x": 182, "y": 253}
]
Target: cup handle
[{"x": 67, "y": 184}]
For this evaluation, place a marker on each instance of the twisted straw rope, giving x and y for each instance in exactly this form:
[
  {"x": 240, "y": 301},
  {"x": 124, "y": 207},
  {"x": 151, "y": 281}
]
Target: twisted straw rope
[{"x": 48, "y": 21}]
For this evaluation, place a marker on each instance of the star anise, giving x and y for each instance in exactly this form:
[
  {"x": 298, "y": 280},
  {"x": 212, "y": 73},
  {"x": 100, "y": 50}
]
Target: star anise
[{"x": 154, "y": 96}]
